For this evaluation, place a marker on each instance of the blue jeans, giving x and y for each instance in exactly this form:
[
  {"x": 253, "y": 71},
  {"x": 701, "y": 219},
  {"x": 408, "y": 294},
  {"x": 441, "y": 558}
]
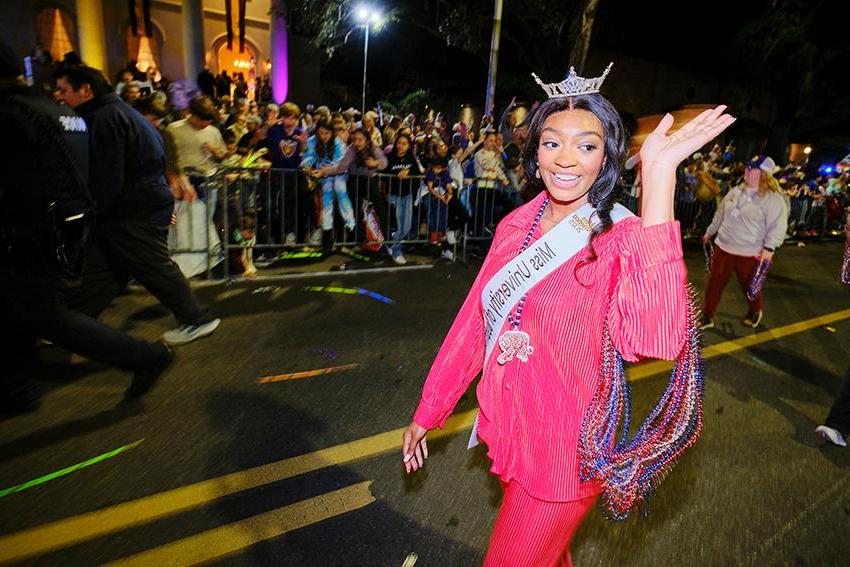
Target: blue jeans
[
  {"x": 438, "y": 215},
  {"x": 404, "y": 218},
  {"x": 331, "y": 186}
]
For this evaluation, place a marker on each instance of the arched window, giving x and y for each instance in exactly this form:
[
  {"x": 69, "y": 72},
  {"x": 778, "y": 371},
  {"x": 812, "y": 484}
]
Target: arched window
[
  {"x": 54, "y": 28},
  {"x": 143, "y": 49}
]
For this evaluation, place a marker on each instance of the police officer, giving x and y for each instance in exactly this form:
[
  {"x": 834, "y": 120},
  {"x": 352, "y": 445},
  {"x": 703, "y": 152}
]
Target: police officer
[
  {"x": 134, "y": 206},
  {"x": 45, "y": 216}
]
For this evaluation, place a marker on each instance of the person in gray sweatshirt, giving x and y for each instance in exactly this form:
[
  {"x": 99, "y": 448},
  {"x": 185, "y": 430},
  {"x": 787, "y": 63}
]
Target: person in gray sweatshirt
[{"x": 749, "y": 226}]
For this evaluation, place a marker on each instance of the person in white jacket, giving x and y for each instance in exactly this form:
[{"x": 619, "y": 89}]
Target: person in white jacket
[{"x": 749, "y": 226}]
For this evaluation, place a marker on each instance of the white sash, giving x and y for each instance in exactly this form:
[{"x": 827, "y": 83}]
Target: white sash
[{"x": 540, "y": 259}]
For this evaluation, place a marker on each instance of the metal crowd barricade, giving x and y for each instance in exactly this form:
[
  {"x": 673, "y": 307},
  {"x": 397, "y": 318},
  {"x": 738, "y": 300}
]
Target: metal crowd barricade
[
  {"x": 190, "y": 235},
  {"x": 283, "y": 208}
]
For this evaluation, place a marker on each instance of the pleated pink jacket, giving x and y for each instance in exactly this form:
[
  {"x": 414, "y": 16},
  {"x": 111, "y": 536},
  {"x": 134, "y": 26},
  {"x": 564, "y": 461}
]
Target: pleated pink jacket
[{"x": 531, "y": 412}]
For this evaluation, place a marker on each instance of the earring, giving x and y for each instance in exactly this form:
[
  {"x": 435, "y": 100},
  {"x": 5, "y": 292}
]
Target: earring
[{"x": 537, "y": 173}]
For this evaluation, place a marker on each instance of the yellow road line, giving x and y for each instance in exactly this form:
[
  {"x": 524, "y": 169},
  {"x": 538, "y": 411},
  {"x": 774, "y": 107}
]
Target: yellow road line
[
  {"x": 227, "y": 540},
  {"x": 85, "y": 527},
  {"x": 307, "y": 373},
  {"x": 741, "y": 343},
  {"x": 71, "y": 531}
]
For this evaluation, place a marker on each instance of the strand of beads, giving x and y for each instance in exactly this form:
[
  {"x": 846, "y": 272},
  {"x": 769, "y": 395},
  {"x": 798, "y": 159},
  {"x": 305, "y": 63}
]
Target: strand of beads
[
  {"x": 758, "y": 279},
  {"x": 514, "y": 320}
]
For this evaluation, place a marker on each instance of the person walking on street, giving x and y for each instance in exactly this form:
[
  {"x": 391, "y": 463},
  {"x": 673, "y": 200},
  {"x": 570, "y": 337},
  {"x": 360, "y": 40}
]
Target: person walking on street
[
  {"x": 45, "y": 213},
  {"x": 836, "y": 426},
  {"x": 134, "y": 205},
  {"x": 750, "y": 225},
  {"x": 574, "y": 284}
]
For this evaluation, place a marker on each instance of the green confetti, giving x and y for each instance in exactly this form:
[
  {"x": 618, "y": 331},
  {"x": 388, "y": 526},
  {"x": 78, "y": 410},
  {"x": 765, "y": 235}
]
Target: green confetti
[{"x": 68, "y": 470}]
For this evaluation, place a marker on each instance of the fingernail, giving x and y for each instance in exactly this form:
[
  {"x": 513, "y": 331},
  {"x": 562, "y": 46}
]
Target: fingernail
[{"x": 407, "y": 458}]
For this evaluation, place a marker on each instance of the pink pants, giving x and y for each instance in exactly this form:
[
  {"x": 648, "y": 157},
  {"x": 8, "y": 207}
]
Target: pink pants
[{"x": 534, "y": 533}]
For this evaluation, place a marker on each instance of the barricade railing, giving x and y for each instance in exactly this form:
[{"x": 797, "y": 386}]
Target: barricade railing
[
  {"x": 271, "y": 210},
  {"x": 274, "y": 209}
]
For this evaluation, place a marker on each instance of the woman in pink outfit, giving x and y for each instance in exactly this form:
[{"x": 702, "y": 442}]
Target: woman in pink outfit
[{"x": 547, "y": 411}]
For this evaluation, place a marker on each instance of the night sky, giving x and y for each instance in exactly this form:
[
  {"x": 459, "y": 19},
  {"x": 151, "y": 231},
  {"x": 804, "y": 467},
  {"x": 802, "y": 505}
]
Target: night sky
[{"x": 706, "y": 37}]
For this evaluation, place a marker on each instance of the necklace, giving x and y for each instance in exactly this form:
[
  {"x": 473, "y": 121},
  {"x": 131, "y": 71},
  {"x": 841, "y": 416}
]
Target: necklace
[{"x": 515, "y": 342}]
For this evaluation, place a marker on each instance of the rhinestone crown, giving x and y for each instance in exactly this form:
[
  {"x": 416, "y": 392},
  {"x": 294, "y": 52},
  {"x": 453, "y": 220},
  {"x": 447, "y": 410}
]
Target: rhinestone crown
[{"x": 574, "y": 85}]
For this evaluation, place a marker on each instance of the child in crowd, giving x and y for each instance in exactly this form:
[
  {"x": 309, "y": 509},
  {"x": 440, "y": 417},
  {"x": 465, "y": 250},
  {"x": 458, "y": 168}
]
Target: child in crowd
[
  {"x": 230, "y": 141},
  {"x": 401, "y": 164},
  {"x": 243, "y": 233},
  {"x": 446, "y": 214},
  {"x": 285, "y": 142},
  {"x": 323, "y": 149}
]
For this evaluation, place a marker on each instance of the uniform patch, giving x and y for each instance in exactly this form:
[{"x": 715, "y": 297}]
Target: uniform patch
[{"x": 73, "y": 124}]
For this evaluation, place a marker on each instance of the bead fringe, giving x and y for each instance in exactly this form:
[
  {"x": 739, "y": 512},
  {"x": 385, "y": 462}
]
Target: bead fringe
[{"x": 631, "y": 470}]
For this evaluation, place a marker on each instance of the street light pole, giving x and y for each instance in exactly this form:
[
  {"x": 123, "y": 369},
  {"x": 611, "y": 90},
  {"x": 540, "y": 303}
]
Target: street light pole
[
  {"x": 367, "y": 16},
  {"x": 494, "y": 58},
  {"x": 365, "y": 59}
]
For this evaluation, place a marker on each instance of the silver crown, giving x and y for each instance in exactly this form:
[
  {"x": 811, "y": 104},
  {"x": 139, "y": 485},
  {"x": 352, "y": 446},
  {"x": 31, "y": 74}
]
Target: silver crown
[{"x": 574, "y": 85}]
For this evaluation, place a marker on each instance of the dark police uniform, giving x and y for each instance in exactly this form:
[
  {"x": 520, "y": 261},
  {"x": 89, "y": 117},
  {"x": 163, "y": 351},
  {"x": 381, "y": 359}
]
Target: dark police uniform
[
  {"x": 45, "y": 214},
  {"x": 134, "y": 206}
]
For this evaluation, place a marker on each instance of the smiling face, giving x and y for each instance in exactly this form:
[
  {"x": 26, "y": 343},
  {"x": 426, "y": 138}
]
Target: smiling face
[
  {"x": 358, "y": 139},
  {"x": 570, "y": 154},
  {"x": 73, "y": 97}
]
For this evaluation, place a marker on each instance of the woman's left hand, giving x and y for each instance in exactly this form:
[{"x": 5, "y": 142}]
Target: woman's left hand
[
  {"x": 766, "y": 255},
  {"x": 668, "y": 150}
]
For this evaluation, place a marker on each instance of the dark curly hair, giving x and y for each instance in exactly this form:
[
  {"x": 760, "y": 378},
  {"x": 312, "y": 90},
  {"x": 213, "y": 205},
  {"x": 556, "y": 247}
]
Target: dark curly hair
[
  {"x": 605, "y": 189},
  {"x": 326, "y": 150}
]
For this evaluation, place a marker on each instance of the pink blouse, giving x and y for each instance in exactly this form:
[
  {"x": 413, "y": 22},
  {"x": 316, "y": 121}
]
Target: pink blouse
[{"x": 531, "y": 412}]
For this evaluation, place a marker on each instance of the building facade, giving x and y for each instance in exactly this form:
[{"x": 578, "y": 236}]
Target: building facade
[{"x": 179, "y": 38}]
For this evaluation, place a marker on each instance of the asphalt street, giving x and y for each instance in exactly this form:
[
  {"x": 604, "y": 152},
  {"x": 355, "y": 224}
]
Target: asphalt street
[{"x": 300, "y": 470}]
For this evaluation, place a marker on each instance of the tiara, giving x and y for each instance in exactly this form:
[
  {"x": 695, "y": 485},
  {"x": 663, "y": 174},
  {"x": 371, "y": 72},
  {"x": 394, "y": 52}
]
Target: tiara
[{"x": 574, "y": 85}]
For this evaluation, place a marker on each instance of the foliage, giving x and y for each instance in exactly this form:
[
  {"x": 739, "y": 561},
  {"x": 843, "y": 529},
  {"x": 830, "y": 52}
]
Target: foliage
[
  {"x": 327, "y": 22},
  {"x": 796, "y": 48},
  {"x": 388, "y": 107},
  {"x": 414, "y": 102}
]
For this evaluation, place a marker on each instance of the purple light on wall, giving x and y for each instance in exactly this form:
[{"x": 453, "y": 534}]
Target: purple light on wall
[{"x": 280, "y": 59}]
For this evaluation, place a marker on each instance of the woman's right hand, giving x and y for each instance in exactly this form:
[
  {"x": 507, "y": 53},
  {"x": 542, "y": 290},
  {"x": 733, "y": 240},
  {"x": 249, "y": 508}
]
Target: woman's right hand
[
  {"x": 414, "y": 447},
  {"x": 706, "y": 239}
]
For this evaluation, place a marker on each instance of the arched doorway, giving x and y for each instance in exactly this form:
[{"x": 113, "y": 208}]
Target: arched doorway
[
  {"x": 247, "y": 63},
  {"x": 146, "y": 51},
  {"x": 54, "y": 27}
]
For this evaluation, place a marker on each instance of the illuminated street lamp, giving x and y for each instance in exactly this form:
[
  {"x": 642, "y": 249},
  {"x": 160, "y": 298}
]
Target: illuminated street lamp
[{"x": 367, "y": 17}]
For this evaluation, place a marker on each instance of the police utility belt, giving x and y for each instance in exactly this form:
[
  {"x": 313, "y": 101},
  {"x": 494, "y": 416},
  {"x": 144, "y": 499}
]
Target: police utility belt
[{"x": 53, "y": 246}]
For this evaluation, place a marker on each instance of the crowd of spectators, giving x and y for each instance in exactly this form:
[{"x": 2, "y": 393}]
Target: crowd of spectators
[
  {"x": 816, "y": 201},
  {"x": 418, "y": 177}
]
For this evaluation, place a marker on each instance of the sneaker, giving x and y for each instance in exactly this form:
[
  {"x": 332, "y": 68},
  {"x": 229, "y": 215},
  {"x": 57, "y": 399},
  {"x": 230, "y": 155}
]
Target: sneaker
[
  {"x": 400, "y": 260},
  {"x": 188, "y": 333},
  {"x": 832, "y": 435},
  {"x": 450, "y": 237},
  {"x": 315, "y": 237},
  {"x": 290, "y": 239},
  {"x": 753, "y": 320},
  {"x": 707, "y": 323},
  {"x": 144, "y": 379},
  {"x": 447, "y": 255}
]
